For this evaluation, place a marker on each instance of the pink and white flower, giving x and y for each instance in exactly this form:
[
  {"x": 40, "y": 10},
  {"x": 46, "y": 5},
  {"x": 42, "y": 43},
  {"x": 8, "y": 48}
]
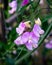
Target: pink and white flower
[
  {"x": 30, "y": 39},
  {"x": 13, "y": 5}
]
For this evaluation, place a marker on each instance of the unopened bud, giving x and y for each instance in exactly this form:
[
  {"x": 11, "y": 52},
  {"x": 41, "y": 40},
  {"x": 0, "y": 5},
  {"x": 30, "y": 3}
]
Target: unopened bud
[{"x": 38, "y": 21}]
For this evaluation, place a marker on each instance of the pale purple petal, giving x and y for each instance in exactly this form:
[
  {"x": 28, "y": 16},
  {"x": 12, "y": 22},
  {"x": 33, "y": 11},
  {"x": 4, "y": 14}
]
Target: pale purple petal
[
  {"x": 34, "y": 38},
  {"x": 18, "y": 41},
  {"x": 25, "y": 37},
  {"x": 12, "y": 10},
  {"x": 13, "y": 4},
  {"x": 34, "y": 45},
  {"x": 41, "y": 31},
  {"x": 32, "y": 41},
  {"x": 29, "y": 46},
  {"x": 37, "y": 30},
  {"x": 22, "y": 24},
  {"x": 49, "y": 45},
  {"x": 21, "y": 28},
  {"x": 24, "y": 2},
  {"x": 36, "y": 33}
]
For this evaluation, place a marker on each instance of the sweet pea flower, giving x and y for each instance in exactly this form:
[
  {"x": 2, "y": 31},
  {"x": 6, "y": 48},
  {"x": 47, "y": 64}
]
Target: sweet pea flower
[
  {"x": 13, "y": 5},
  {"x": 37, "y": 30},
  {"x": 24, "y": 2},
  {"x": 29, "y": 39},
  {"x": 21, "y": 39},
  {"x": 49, "y": 45},
  {"x": 21, "y": 28},
  {"x": 32, "y": 41}
]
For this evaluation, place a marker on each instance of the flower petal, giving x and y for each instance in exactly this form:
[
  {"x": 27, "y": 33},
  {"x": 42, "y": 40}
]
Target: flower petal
[
  {"x": 12, "y": 10},
  {"x": 13, "y": 4},
  {"x": 37, "y": 30},
  {"x": 35, "y": 45},
  {"x": 34, "y": 38},
  {"x": 49, "y": 45},
  {"x": 41, "y": 31},
  {"x": 21, "y": 28},
  {"x": 29, "y": 46},
  {"x": 18, "y": 41},
  {"x": 25, "y": 37}
]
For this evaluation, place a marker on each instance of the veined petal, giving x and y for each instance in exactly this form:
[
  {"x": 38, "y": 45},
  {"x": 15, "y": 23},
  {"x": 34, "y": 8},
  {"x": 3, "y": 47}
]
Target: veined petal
[
  {"x": 25, "y": 37},
  {"x": 18, "y": 41},
  {"x": 37, "y": 30},
  {"x": 29, "y": 46},
  {"x": 34, "y": 38},
  {"x": 41, "y": 31},
  {"x": 22, "y": 24},
  {"x": 21, "y": 28},
  {"x": 13, "y": 4},
  {"x": 35, "y": 45}
]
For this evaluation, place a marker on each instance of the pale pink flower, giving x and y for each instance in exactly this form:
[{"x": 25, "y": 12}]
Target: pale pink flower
[
  {"x": 37, "y": 30},
  {"x": 49, "y": 45},
  {"x": 22, "y": 26},
  {"x": 20, "y": 29},
  {"x": 30, "y": 39},
  {"x": 13, "y": 5}
]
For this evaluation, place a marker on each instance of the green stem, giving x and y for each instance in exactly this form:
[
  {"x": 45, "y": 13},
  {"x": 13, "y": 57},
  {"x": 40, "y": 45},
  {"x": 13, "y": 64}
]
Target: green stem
[
  {"x": 9, "y": 49},
  {"x": 40, "y": 42},
  {"x": 19, "y": 53}
]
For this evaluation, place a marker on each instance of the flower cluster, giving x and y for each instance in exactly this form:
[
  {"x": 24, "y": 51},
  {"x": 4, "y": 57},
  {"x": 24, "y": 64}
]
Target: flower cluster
[
  {"x": 29, "y": 38},
  {"x": 13, "y": 5}
]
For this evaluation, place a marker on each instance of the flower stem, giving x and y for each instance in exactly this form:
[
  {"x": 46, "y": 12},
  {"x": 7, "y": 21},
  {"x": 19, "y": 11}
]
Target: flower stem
[
  {"x": 40, "y": 42},
  {"x": 19, "y": 53}
]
